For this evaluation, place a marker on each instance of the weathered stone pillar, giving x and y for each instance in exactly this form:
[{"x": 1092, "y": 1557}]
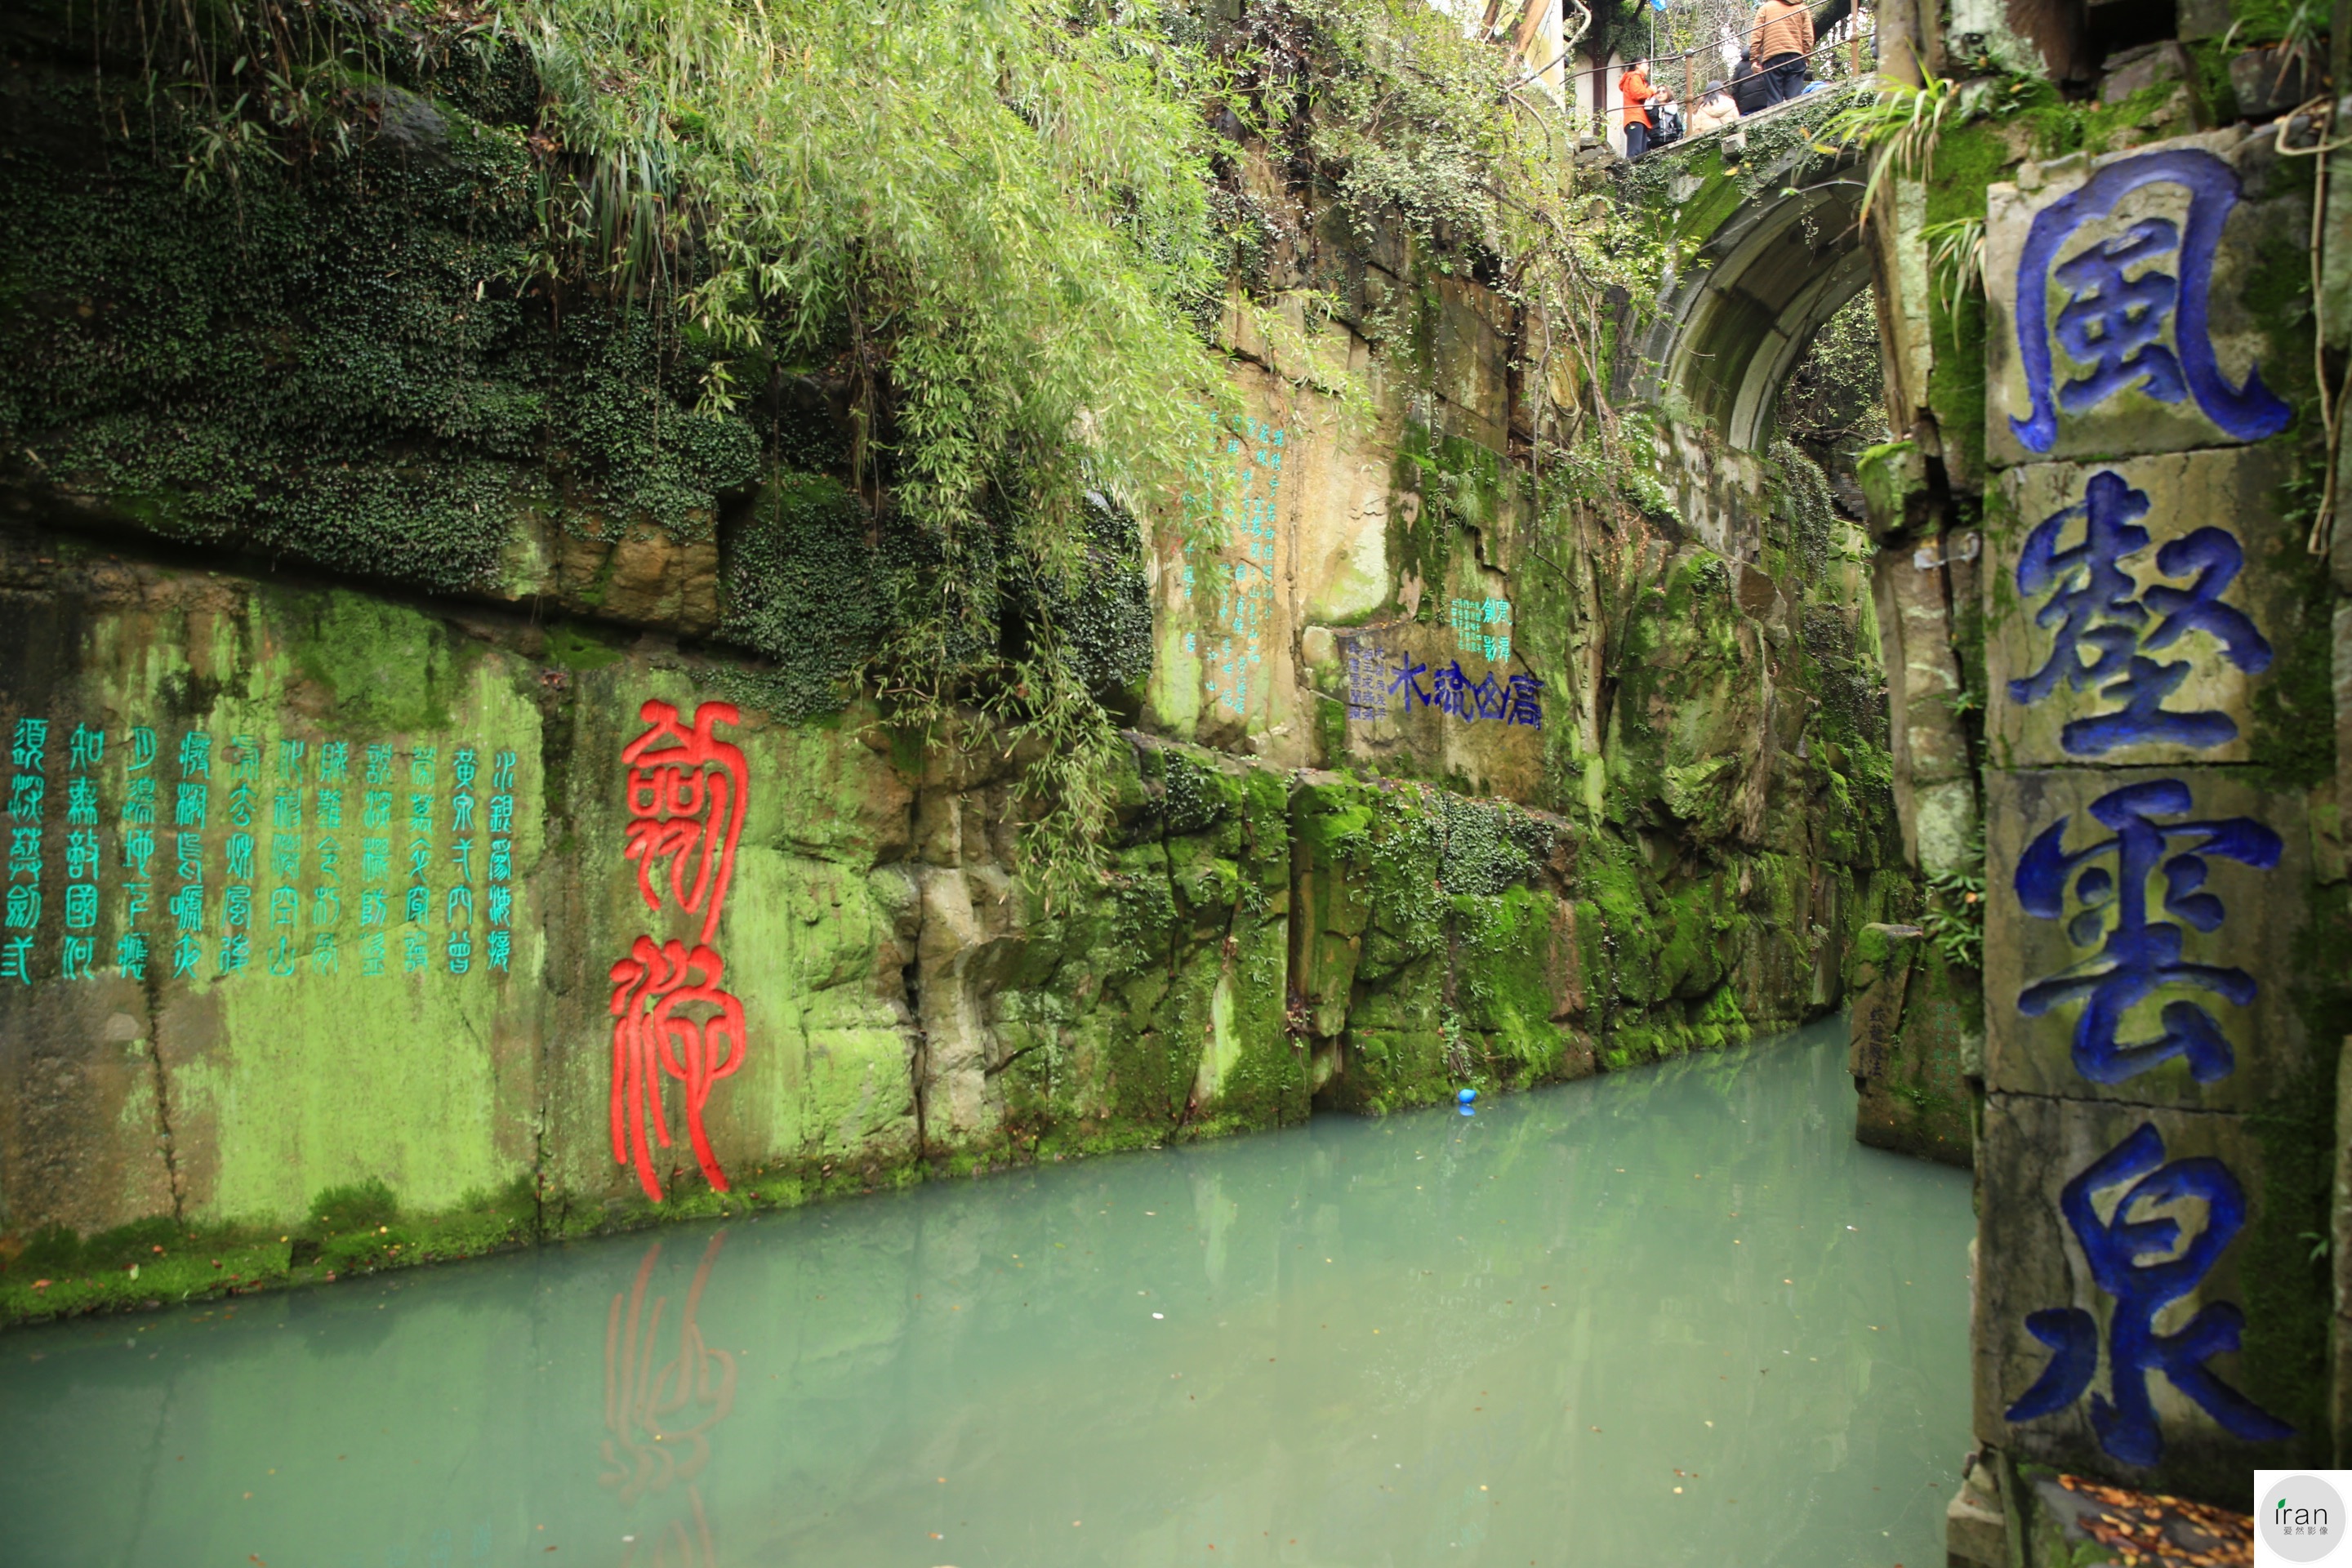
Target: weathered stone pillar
[{"x": 2152, "y": 1297}]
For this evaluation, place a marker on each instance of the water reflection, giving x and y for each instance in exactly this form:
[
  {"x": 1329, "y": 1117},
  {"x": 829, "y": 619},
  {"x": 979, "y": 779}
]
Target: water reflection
[
  {"x": 1429, "y": 1339},
  {"x": 647, "y": 1448}
]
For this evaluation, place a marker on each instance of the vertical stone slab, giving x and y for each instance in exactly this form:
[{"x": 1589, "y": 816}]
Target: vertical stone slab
[
  {"x": 2118, "y": 299},
  {"x": 2153, "y": 950}
]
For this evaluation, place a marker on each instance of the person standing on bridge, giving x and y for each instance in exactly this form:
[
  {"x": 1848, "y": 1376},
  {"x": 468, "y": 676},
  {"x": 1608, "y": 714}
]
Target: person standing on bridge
[
  {"x": 1713, "y": 111},
  {"x": 1635, "y": 85},
  {"x": 1779, "y": 39}
]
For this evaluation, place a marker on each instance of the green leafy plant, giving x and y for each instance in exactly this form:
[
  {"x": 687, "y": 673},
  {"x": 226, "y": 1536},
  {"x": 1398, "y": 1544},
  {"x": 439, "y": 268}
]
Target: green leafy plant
[
  {"x": 1954, "y": 916},
  {"x": 1955, "y": 259},
  {"x": 1901, "y": 124}
]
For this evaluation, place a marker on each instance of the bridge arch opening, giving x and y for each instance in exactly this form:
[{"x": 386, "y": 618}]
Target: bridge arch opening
[{"x": 1736, "y": 321}]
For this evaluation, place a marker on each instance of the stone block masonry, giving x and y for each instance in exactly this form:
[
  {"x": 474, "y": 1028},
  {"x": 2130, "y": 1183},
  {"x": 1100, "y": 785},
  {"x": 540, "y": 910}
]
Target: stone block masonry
[{"x": 2159, "y": 941}]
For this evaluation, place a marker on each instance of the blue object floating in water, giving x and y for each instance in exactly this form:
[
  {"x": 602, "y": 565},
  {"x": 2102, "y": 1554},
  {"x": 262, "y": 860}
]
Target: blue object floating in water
[
  {"x": 1464, "y": 1096},
  {"x": 1468, "y": 1110}
]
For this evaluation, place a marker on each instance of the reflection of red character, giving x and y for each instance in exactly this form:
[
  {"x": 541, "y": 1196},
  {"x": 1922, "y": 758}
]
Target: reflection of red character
[
  {"x": 697, "y": 1048},
  {"x": 644, "y": 1454},
  {"x": 685, "y": 789},
  {"x": 686, "y": 806}
]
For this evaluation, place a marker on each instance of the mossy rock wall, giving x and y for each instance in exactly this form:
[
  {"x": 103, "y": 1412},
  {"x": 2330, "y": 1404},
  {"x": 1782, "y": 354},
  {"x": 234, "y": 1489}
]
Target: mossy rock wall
[{"x": 310, "y": 464}]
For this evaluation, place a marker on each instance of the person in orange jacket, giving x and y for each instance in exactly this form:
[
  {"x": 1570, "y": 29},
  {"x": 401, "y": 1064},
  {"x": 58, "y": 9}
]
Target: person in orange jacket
[{"x": 1635, "y": 85}]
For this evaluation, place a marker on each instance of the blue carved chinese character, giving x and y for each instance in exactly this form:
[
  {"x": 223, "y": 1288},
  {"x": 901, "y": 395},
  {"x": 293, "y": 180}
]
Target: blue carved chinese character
[
  {"x": 1484, "y": 700},
  {"x": 2113, "y": 322},
  {"x": 2138, "y": 956},
  {"x": 2100, "y": 623},
  {"x": 2129, "y": 1261},
  {"x": 130, "y": 956},
  {"x": 1448, "y": 689},
  {"x": 195, "y": 755},
  {"x": 1524, "y": 703},
  {"x": 1407, "y": 683},
  {"x": 85, "y": 747}
]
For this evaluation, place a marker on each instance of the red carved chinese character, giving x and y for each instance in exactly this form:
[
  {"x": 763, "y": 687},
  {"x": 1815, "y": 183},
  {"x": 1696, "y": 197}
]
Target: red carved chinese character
[
  {"x": 651, "y": 1037},
  {"x": 686, "y": 806}
]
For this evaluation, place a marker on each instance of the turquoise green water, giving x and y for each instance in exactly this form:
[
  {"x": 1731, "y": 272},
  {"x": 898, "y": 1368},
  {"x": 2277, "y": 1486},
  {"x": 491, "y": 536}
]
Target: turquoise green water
[{"x": 1494, "y": 1340}]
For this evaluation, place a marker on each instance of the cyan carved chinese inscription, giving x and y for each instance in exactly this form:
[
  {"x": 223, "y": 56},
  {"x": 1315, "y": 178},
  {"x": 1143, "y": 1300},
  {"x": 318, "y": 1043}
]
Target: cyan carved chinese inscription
[
  {"x": 2140, "y": 1258},
  {"x": 257, "y": 868},
  {"x": 2103, "y": 627},
  {"x": 2138, "y": 957},
  {"x": 2123, "y": 293}
]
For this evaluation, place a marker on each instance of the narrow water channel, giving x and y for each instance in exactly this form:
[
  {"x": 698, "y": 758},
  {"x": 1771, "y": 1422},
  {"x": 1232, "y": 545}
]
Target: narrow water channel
[{"x": 1669, "y": 1316}]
